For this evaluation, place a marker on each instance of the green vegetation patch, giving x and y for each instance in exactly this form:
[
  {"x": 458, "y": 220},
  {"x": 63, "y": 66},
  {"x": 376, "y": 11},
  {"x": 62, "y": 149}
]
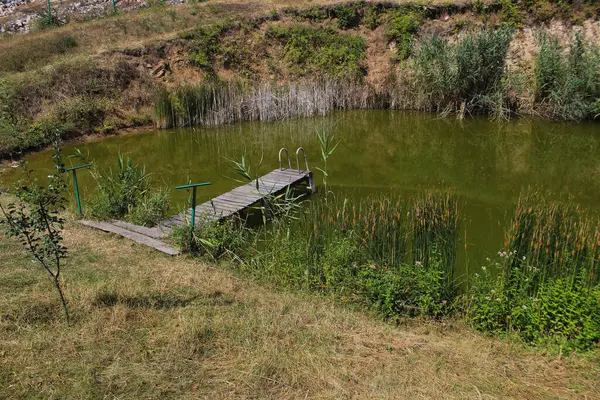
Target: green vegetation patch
[
  {"x": 568, "y": 83},
  {"x": 128, "y": 192},
  {"x": 26, "y": 52},
  {"x": 69, "y": 98},
  {"x": 402, "y": 28},
  {"x": 545, "y": 287},
  {"x": 465, "y": 74},
  {"x": 320, "y": 50}
]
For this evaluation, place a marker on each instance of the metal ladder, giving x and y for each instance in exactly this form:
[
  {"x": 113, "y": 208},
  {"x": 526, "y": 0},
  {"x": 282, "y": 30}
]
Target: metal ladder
[{"x": 311, "y": 183}]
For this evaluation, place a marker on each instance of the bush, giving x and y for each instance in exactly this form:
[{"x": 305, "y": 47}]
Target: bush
[
  {"x": 317, "y": 50},
  {"x": 80, "y": 114},
  {"x": 557, "y": 311},
  {"x": 372, "y": 19},
  {"x": 347, "y": 15},
  {"x": 402, "y": 29}
]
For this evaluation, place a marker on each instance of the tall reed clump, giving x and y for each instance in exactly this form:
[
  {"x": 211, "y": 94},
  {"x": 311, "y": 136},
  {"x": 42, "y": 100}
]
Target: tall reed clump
[
  {"x": 546, "y": 289},
  {"x": 466, "y": 76},
  {"x": 128, "y": 193},
  {"x": 568, "y": 84},
  {"x": 226, "y": 102},
  {"x": 368, "y": 252}
]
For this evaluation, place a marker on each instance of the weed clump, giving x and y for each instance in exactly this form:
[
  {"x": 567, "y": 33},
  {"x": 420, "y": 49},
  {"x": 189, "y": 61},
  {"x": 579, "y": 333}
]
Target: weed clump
[
  {"x": 348, "y": 15},
  {"x": 128, "y": 193}
]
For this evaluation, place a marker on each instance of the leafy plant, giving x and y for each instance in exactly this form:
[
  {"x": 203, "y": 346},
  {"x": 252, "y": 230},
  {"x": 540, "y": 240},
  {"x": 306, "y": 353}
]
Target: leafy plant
[{"x": 36, "y": 221}]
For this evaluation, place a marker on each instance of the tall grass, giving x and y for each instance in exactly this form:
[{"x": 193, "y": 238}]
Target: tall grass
[
  {"x": 225, "y": 102},
  {"x": 546, "y": 287},
  {"x": 568, "y": 83},
  {"x": 464, "y": 76},
  {"x": 558, "y": 238},
  {"x": 375, "y": 251}
]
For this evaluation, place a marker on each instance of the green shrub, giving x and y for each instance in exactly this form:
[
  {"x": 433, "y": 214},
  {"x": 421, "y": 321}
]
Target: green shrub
[
  {"x": 317, "y": 50},
  {"x": 509, "y": 13},
  {"x": 80, "y": 113},
  {"x": 372, "y": 19},
  {"x": 204, "y": 44},
  {"x": 46, "y": 20},
  {"x": 402, "y": 29},
  {"x": 557, "y": 311},
  {"x": 348, "y": 16}
]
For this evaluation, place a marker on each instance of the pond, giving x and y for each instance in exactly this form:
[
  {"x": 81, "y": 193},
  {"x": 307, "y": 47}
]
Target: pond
[{"x": 487, "y": 164}]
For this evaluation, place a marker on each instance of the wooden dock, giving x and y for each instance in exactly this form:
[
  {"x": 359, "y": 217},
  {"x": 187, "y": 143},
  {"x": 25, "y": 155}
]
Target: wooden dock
[
  {"x": 220, "y": 208},
  {"x": 242, "y": 197}
]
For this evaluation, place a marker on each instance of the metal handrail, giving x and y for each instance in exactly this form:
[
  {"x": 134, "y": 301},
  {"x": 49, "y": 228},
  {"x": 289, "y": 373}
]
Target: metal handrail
[
  {"x": 298, "y": 159},
  {"x": 288, "y": 157}
]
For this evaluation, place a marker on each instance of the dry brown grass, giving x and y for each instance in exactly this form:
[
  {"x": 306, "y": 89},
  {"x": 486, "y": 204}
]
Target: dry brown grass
[{"x": 149, "y": 326}]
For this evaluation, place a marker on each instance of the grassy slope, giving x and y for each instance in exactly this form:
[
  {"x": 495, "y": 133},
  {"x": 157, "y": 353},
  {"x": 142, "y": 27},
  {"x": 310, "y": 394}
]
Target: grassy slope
[{"x": 149, "y": 326}]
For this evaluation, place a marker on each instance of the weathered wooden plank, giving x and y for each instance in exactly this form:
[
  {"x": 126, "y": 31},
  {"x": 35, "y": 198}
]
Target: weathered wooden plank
[
  {"x": 242, "y": 197},
  {"x": 151, "y": 232},
  {"x": 236, "y": 198},
  {"x": 136, "y": 237}
]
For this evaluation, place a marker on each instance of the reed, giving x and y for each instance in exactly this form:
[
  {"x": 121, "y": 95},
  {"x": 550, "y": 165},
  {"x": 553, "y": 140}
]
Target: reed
[
  {"x": 227, "y": 102},
  {"x": 377, "y": 252},
  {"x": 544, "y": 288},
  {"x": 568, "y": 83},
  {"x": 559, "y": 238}
]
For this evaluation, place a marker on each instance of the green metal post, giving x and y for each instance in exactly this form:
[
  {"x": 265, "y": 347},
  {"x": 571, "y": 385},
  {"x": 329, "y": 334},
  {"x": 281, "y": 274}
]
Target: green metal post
[
  {"x": 74, "y": 170},
  {"x": 49, "y": 9},
  {"x": 193, "y": 218},
  {"x": 114, "y": 6},
  {"x": 77, "y": 192},
  {"x": 193, "y": 222}
]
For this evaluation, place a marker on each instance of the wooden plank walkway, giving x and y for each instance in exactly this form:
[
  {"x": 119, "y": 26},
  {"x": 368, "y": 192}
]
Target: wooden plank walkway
[
  {"x": 135, "y": 236},
  {"x": 219, "y": 208},
  {"x": 242, "y": 197}
]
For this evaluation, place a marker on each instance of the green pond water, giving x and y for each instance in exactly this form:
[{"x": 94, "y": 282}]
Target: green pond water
[{"x": 487, "y": 164}]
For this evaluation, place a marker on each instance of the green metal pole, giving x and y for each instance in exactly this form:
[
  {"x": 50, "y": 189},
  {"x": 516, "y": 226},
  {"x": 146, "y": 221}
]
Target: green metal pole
[
  {"x": 193, "y": 218},
  {"x": 114, "y": 6},
  {"x": 77, "y": 192},
  {"x": 193, "y": 224},
  {"x": 74, "y": 169},
  {"x": 49, "y": 9}
]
